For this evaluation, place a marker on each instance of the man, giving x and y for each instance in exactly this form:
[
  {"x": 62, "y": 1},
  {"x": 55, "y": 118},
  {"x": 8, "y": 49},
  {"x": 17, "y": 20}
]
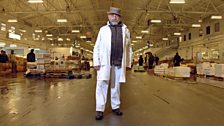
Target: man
[
  {"x": 31, "y": 56},
  {"x": 3, "y": 57},
  {"x": 176, "y": 60},
  {"x": 157, "y": 60},
  {"x": 12, "y": 59},
  {"x": 111, "y": 56},
  {"x": 150, "y": 60}
]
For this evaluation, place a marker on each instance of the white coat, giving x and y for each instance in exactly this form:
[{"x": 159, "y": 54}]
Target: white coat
[{"x": 102, "y": 53}]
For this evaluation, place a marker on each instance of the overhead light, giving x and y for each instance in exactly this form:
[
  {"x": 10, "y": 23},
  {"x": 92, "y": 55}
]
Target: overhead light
[
  {"x": 12, "y": 20},
  {"x": 38, "y": 31},
  {"x": 138, "y": 37},
  {"x": 165, "y": 39},
  {"x": 22, "y": 30},
  {"x": 200, "y": 21},
  {"x": 43, "y": 39},
  {"x": 12, "y": 45},
  {"x": 177, "y": 33},
  {"x": 60, "y": 39},
  {"x": 2, "y": 44},
  {"x": 35, "y": 1},
  {"x": 196, "y": 25},
  {"x": 145, "y": 31},
  {"x": 75, "y": 31},
  {"x": 68, "y": 39},
  {"x": 155, "y": 21},
  {"x": 177, "y": 1},
  {"x": 14, "y": 36},
  {"x": 216, "y": 17},
  {"x": 50, "y": 38},
  {"x": 82, "y": 37},
  {"x": 134, "y": 41},
  {"x": 151, "y": 45},
  {"x": 62, "y": 20},
  {"x": 132, "y": 44},
  {"x": 88, "y": 41},
  {"x": 49, "y": 35}
]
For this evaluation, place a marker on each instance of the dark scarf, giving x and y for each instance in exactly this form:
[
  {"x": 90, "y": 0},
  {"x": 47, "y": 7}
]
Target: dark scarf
[{"x": 116, "y": 44}]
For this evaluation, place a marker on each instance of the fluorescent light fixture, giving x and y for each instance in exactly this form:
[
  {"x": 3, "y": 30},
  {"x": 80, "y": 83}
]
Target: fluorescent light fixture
[
  {"x": 177, "y": 33},
  {"x": 145, "y": 31},
  {"x": 138, "y": 37},
  {"x": 177, "y": 1},
  {"x": 88, "y": 41},
  {"x": 156, "y": 21},
  {"x": 50, "y": 38},
  {"x": 60, "y": 39},
  {"x": 196, "y": 25},
  {"x": 49, "y": 35},
  {"x": 132, "y": 44},
  {"x": 22, "y": 30},
  {"x": 200, "y": 21},
  {"x": 82, "y": 37},
  {"x": 216, "y": 17},
  {"x": 77, "y": 46},
  {"x": 62, "y": 20},
  {"x": 52, "y": 44},
  {"x": 165, "y": 39},
  {"x": 134, "y": 41},
  {"x": 75, "y": 31},
  {"x": 68, "y": 39},
  {"x": 12, "y": 20},
  {"x": 2, "y": 24},
  {"x": 38, "y": 31},
  {"x": 14, "y": 36},
  {"x": 2, "y": 44},
  {"x": 12, "y": 45},
  {"x": 35, "y": 1},
  {"x": 151, "y": 45}
]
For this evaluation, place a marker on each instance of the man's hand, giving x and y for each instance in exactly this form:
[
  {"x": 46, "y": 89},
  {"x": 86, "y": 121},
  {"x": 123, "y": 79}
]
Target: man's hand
[{"x": 97, "y": 67}]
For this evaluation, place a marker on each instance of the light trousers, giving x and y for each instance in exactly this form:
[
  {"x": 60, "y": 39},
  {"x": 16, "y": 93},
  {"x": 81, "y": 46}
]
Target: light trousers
[{"x": 102, "y": 89}]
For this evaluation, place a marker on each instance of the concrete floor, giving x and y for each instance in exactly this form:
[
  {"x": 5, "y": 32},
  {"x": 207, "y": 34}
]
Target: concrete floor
[{"x": 147, "y": 100}]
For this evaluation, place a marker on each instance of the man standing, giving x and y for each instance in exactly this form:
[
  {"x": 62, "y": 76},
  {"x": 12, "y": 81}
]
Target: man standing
[
  {"x": 176, "y": 60},
  {"x": 111, "y": 56},
  {"x": 31, "y": 56}
]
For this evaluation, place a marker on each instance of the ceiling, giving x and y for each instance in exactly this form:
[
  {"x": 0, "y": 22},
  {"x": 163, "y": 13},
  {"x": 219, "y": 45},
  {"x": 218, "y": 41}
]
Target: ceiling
[{"x": 89, "y": 15}]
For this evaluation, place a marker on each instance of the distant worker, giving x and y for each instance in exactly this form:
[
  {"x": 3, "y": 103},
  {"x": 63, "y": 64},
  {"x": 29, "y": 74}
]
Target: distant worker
[
  {"x": 31, "y": 56},
  {"x": 12, "y": 60},
  {"x": 157, "y": 60},
  {"x": 150, "y": 60},
  {"x": 140, "y": 61},
  {"x": 3, "y": 57},
  {"x": 176, "y": 60}
]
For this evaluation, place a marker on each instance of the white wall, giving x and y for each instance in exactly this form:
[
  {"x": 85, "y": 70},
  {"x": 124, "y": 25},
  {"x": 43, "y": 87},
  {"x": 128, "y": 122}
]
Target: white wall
[{"x": 214, "y": 40}]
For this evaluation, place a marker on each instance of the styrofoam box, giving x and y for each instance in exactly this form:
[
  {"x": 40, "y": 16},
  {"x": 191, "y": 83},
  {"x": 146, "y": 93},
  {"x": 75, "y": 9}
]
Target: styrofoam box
[
  {"x": 182, "y": 71},
  {"x": 39, "y": 56},
  {"x": 199, "y": 69},
  {"x": 209, "y": 71},
  {"x": 43, "y": 61},
  {"x": 219, "y": 70}
]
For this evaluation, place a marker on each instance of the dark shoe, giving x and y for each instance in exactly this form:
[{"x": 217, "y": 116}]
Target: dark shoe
[
  {"x": 99, "y": 115},
  {"x": 117, "y": 112}
]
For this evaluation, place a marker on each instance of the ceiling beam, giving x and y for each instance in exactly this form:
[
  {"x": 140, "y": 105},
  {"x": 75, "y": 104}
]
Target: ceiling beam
[{"x": 98, "y": 10}]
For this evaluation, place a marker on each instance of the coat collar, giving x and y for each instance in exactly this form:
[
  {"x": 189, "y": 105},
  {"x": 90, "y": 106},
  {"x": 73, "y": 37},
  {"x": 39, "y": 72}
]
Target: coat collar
[{"x": 108, "y": 23}]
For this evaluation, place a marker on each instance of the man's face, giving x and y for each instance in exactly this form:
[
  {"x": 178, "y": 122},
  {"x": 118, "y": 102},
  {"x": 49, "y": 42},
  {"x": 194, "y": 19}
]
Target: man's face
[{"x": 114, "y": 18}]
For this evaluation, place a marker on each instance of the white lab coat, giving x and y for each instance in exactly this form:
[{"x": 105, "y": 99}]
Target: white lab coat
[{"x": 102, "y": 53}]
